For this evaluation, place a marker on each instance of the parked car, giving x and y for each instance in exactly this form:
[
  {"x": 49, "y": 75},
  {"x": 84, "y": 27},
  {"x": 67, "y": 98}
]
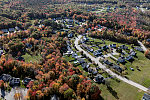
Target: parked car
[{"x": 131, "y": 68}]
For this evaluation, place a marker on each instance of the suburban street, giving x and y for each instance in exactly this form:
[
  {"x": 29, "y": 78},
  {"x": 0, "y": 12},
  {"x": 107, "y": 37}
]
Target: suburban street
[
  {"x": 96, "y": 60},
  {"x": 142, "y": 46}
]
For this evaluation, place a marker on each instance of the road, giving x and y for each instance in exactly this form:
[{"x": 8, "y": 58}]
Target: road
[
  {"x": 96, "y": 60},
  {"x": 142, "y": 46}
]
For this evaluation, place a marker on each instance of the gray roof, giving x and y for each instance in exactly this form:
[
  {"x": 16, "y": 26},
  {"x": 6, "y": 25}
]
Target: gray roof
[
  {"x": 146, "y": 97},
  {"x": 4, "y": 30},
  {"x": 54, "y": 97},
  {"x": 121, "y": 59},
  {"x": 99, "y": 78},
  {"x": 116, "y": 67},
  {"x": 11, "y": 29}
]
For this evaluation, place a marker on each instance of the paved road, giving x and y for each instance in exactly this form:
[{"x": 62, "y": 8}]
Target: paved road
[
  {"x": 142, "y": 46},
  {"x": 96, "y": 60}
]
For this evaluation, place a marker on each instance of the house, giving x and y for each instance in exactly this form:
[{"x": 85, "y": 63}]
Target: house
[
  {"x": 17, "y": 28},
  {"x": 28, "y": 45},
  {"x": 129, "y": 58},
  {"x": 69, "y": 48},
  {"x": 4, "y": 30},
  {"x": 98, "y": 52},
  {"x": 85, "y": 66},
  {"x": 97, "y": 68},
  {"x": 75, "y": 62},
  {"x": 14, "y": 81},
  {"x": 74, "y": 55},
  {"x": 85, "y": 39},
  {"x": 99, "y": 79},
  {"x": 146, "y": 96},
  {"x": 139, "y": 49},
  {"x": 40, "y": 26},
  {"x": 54, "y": 97},
  {"x": 108, "y": 63},
  {"x": 5, "y": 77},
  {"x": 20, "y": 59},
  {"x": 113, "y": 45},
  {"x": 148, "y": 40},
  {"x": 26, "y": 81},
  {"x": 105, "y": 48},
  {"x": 94, "y": 72},
  {"x": 11, "y": 29},
  {"x": 1, "y": 51},
  {"x": 124, "y": 47},
  {"x": 127, "y": 33},
  {"x": 121, "y": 60},
  {"x": 70, "y": 35},
  {"x": 117, "y": 68},
  {"x": 81, "y": 60},
  {"x": 90, "y": 70},
  {"x": 132, "y": 53}
]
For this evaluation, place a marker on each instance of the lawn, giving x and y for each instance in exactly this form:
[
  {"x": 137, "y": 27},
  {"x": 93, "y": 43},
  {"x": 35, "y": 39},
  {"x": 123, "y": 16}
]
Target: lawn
[
  {"x": 142, "y": 77},
  {"x": 120, "y": 91},
  {"x": 29, "y": 58}
]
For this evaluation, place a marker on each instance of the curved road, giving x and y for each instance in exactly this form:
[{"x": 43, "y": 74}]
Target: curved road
[
  {"x": 142, "y": 46},
  {"x": 96, "y": 60}
]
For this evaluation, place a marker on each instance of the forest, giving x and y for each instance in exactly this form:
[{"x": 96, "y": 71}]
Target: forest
[{"x": 41, "y": 30}]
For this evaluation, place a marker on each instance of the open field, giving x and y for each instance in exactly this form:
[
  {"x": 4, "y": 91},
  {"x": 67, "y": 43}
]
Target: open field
[
  {"x": 29, "y": 58},
  {"x": 120, "y": 91}
]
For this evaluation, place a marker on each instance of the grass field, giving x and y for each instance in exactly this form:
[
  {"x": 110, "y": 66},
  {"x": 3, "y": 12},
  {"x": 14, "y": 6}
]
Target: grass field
[
  {"x": 142, "y": 77},
  {"x": 120, "y": 91},
  {"x": 29, "y": 58}
]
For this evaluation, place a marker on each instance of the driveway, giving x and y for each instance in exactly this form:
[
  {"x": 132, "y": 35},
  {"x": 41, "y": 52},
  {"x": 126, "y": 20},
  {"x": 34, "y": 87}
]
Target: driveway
[{"x": 10, "y": 95}]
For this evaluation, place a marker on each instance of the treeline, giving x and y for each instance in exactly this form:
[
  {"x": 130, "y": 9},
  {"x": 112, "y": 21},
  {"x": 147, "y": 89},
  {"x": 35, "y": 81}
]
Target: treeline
[
  {"x": 95, "y": 1},
  {"x": 113, "y": 36}
]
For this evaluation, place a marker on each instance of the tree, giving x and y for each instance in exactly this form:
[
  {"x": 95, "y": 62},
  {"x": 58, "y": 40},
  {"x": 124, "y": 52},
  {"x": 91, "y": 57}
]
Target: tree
[
  {"x": 1, "y": 83},
  {"x": 68, "y": 93},
  {"x": 147, "y": 54},
  {"x": 17, "y": 96}
]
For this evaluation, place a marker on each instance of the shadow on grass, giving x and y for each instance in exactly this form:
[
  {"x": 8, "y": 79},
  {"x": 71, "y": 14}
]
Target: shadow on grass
[
  {"x": 113, "y": 92},
  {"x": 117, "y": 80},
  {"x": 72, "y": 60},
  {"x": 101, "y": 98}
]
